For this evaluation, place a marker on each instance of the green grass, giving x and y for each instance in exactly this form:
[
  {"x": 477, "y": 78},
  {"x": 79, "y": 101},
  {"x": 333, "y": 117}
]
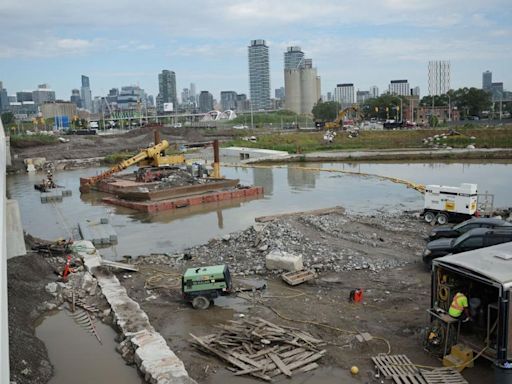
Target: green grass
[
  {"x": 302, "y": 142},
  {"x": 24, "y": 141},
  {"x": 117, "y": 157}
]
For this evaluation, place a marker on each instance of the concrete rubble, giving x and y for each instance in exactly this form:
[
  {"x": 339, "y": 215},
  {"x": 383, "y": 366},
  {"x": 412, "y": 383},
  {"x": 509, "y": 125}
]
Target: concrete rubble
[
  {"x": 150, "y": 352},
  {"x": 331, "y": 243},
  {"x": 281, "y": 260},
  {"x": 99, "y": 232}
]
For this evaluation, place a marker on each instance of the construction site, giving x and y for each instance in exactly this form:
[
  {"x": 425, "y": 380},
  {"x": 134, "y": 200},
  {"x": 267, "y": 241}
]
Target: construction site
[{"x": 214, "y": 265}]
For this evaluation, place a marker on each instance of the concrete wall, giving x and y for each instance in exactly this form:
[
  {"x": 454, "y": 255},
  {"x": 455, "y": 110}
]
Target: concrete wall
[
  {"x": 14, "y": 230},
  {"x": 4, "y": 327}
]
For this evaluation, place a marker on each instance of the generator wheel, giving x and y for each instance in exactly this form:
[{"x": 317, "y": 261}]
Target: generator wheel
[
  {"x": 429, "y": 217},
  {"x": 442, "y": 219},
  {"x": 200, "y": 302}
]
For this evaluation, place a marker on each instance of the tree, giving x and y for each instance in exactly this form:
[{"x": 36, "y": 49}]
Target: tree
[
  {"x": 326, "y": 111},
  {"x": 469, "y": 101},
  {"x": 7, "y": 118}
]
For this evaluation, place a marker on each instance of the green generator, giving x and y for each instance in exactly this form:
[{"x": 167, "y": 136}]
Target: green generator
[{"x": 200, "y": 286}]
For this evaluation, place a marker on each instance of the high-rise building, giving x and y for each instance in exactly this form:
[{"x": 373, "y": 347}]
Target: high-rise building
[
  {"x": 344, "y": 94},
  {"x": 497, "y": 91},
  {"x": 75, "y": 98},
  {"x": 487, "y": 81},
  {"x": 86, "y": 93},
  {"x": 399, "y": 87},
  {"x": 4, "y": 98},
  {"x": 23, "y": 96},
  {"x": 112, "y": 96},
  {"x": 131, "y": 97},
  {"x": 416, "y": 91},
  {"x": 242, "y": 104},
  {"x": 205, "y": 102},
  {"x": 362, "y": 96},
  {"x": 374, "y": 91},
  {"x": 293, "y": 58},
  {"x": 438, "y": 77},
  {"x": 193, "y": 94},
  {"x": 329, "y": 96},
  {"x": 166, "y": 89},
  {"x": 279, "y": 93},
  {"x": 185, "y": 96},
  {"x": 228, "y": 100},
  {"x": 43, "y": 94},
  {"x": 259, "y": 75},
  {"x": 301, "y": 82}
]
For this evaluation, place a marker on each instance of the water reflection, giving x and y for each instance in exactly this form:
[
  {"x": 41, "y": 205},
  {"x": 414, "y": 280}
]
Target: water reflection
[
  {"x": 286, "y": 189},
  {"x": 264, "y": 177},
  {"x": 300, "y": 180}
]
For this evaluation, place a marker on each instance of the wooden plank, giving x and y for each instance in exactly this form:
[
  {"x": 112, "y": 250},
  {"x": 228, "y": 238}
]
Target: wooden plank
[
  {"x": 280, "y": 364},
  {"x": 292, "y": 352}
]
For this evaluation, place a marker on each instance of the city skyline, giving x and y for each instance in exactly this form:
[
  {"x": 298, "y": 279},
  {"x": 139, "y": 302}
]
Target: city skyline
[{"x": 368, "y": 46}]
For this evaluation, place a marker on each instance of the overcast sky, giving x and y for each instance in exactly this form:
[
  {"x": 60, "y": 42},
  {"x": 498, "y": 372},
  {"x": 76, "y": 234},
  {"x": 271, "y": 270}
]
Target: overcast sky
[{"x": 365, "y": 42}]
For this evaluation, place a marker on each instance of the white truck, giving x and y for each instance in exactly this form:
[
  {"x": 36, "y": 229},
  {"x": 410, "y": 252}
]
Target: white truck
[{"x": 444, "y": 204}]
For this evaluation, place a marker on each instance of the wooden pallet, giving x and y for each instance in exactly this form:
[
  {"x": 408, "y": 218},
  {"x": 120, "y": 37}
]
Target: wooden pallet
[
  {"x": 443, "y": 376},
  {"x": 299, "y": 277},
  {"x": 398, "y": 368}
]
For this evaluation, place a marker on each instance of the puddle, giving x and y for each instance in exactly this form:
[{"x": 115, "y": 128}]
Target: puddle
[{"x": 78, "y": 357}]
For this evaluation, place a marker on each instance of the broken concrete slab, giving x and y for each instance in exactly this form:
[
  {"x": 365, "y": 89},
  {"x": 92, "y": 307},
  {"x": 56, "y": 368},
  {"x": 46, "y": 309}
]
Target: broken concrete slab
[
  {"x": 281, "y": 260},
  {"x": 153, "y": 357}
]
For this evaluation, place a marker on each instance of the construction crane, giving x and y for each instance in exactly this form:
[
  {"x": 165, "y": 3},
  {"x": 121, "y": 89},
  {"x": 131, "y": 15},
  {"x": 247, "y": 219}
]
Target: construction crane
[
  {"x": 152, "y": 156},
  {"x": 338, "y": 122}
]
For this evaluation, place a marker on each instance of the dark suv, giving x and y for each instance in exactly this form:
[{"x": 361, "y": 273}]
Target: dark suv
[
  {"x": 473, "y": 239},
  {"x": 459, "y": 229}
]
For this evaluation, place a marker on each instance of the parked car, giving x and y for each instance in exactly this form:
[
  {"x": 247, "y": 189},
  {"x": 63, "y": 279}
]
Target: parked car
[
  {"x": 473, "y": 239},
  {"x": 459, "y": 229}
]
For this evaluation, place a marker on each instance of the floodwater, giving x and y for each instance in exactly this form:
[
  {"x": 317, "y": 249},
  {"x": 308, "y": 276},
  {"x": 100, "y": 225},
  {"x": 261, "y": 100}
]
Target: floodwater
[
  {"x": 78, "y": 357},
  {"x": 286, "y": 189}
]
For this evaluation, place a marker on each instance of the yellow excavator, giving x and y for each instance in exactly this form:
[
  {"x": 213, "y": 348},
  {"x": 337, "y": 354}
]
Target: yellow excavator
[
  {"x": 338, "y": 122},
  {"x": 151, "y": 157}
]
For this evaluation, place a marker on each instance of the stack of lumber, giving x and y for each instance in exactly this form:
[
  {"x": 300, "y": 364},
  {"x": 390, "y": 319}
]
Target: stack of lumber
[{"x": 264, "y": 350}]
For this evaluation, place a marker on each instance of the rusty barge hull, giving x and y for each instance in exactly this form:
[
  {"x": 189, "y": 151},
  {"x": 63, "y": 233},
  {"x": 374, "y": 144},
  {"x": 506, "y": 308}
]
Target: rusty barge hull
[
  {"x": 186, "y": 201},
  {"x": 174, "y": 192}
]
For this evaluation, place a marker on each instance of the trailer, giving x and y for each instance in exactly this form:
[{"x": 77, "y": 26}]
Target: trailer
[
  {"x": 445, "y": 204},
  {"x": 486, "y": 274}
]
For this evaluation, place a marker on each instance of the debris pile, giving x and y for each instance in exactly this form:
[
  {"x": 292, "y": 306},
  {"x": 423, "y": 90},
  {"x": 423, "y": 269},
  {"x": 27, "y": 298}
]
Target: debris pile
[
  {"x": 262, "y": 349},
  {"x": 331, "y": 242}
]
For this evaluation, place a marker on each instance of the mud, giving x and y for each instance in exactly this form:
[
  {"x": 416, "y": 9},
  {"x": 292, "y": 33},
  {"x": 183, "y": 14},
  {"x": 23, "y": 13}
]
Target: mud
[{"x": 396, "y": 291}]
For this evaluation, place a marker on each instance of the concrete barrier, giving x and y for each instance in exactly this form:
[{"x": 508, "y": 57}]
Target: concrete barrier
[
  {"x": 283, "y": 260},
  {"x": 153, "y": 357},
  {"x": 14, "y": 230}
]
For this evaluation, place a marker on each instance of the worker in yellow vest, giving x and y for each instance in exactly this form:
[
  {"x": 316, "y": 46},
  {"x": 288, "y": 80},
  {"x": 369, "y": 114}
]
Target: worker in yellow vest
[{"x": 459, "y": 307}]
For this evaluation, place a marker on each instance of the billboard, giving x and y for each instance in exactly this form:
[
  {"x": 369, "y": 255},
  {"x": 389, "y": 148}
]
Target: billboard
[
  {"x": 61, "y": 122},
  {"x": 168, "y": 107}
]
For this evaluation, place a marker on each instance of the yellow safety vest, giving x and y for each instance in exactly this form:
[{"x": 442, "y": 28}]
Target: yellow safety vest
[{"x": 457, "y": 306}]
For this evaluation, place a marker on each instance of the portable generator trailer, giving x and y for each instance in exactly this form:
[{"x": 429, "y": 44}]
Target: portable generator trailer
[
  {"x": 486, "y": 273},
  {"x": 201, "y": 285},
  {"x": 445, "y": 204}
]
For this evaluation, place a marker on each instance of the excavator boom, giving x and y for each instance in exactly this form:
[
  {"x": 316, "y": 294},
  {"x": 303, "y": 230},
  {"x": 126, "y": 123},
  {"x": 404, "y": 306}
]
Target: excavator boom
[{"x": 148, "y": 153}]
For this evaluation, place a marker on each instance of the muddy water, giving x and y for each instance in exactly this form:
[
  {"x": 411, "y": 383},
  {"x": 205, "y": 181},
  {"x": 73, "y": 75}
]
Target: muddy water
[
  {"x": 286, "y": 190},
  {"x": 78, "y": 357}
]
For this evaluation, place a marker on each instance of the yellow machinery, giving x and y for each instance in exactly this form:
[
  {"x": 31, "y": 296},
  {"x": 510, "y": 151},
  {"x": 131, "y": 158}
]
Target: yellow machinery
[
  {"x": 338, "y": 122},
  {"x": 152, "y": 156}
]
